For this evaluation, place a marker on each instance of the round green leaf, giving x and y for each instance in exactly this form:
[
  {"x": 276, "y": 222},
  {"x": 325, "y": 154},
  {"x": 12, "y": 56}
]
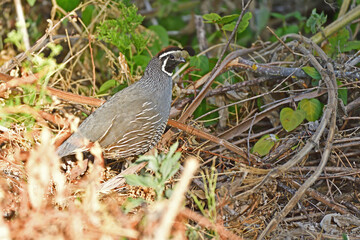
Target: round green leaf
[
  {"x": 312, "y": 108},
  {"x": 265, "y": 144},
  {"x": 291, "y": 119}
]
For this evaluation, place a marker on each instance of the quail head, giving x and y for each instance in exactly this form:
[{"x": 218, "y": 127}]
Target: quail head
[{"x": 132, "y": 121}]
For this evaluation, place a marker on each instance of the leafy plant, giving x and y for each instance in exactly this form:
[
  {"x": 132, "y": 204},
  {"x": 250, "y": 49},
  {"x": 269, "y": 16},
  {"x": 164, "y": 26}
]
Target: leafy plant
[
  {"x": 31, "y": 2},
  {"x": 122, "y": 31},
  {"x": 309, "y": 109},
  {"x": 164, "y": 167},
  {"x": 315, "y": 21},
  {"x": 29, "y": 94},
  {"x": 339, "y": 43},
  {"x": 227, "y": 23},
  {"x": 15, "y": 37},
  {"x": 288, "y": 28}
]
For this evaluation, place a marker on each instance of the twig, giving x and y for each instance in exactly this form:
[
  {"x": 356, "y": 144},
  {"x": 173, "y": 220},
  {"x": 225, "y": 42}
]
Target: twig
[
  {"x": 200, "y": 33},
  {"x": 280, "y": 40},
  {"x": 93, "y": 65},
  {"x": 354, "y": 104},
  {"x": 278, "y": 72},
  {"x": 240, "y": 128},
  {"x": 344, "y": 7},
  {"x": 321, "y": 198},
  {"x": 202, "y": 134},
  {"x": 15, "y": 82}
]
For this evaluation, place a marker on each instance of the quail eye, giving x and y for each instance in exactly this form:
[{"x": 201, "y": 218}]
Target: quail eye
[{"x": 171, "y": 56}]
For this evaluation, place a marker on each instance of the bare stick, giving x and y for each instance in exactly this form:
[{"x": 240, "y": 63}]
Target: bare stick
[{"x": 22, "y": 24}]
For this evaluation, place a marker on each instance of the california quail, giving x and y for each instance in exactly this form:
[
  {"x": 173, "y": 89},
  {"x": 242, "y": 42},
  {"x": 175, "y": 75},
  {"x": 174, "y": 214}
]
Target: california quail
[{"x": 132, "y": 121}]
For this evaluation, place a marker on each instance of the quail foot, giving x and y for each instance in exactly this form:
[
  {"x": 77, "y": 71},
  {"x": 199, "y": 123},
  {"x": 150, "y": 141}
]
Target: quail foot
[{"x": 132, "y": 121}]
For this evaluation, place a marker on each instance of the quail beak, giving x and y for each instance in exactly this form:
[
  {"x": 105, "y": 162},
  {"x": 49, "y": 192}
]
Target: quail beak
[{"x": 181, "y": 60}]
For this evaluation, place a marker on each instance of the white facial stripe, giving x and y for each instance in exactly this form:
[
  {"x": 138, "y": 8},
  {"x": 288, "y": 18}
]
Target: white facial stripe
[
  {"x": 167, "y": 53},
  {"x": 163, "y": 67}
]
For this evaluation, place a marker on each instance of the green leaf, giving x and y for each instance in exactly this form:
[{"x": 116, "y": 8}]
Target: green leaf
[
  {"x": 315, "y": 21},
  {"x": 30, "y": 93},
  {"x": 200, "y": 62},
  {"x": 68, "y": 5},
  {"x": 170, "y": 165},
  {"x": 173, "y": 148},
  {"x": 339, "y": 43},
  {"x": 211, "y": 17},
  {"x": 262, "y": 17},
  {"x": 296, "y": 15},
  {"x": 154, "y": 164},
  {"x": 351, "y": 45},
  {"x": 244, "y": 22},
  {"x": 31, "y": 2},
  {"x": 135, "y": 180},
  {"x": 278, "y": 16},
  {"x": 291, "y": 119},
  {"x": 312, "y": 72},
  {"x": 229, "y": 27},
  {"x": 227, "y": 19},
  {"x": 242, "y": 26},
  {"x": 312, "y": 108},
  {"x": 342, "y": 92},
  {"x": 131, "y": 203},
  {"x": 265, "y": 144},
  {"x": 162, "y": 34},
  {"x": 106, "y": 86},
  {"x": 87, "y": 14},
  {"x": 141, "y": 60}
]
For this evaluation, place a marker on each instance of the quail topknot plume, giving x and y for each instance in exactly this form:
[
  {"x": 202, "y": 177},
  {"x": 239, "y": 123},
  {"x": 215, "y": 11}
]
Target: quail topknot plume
[{"x": 132, "y": 121}]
